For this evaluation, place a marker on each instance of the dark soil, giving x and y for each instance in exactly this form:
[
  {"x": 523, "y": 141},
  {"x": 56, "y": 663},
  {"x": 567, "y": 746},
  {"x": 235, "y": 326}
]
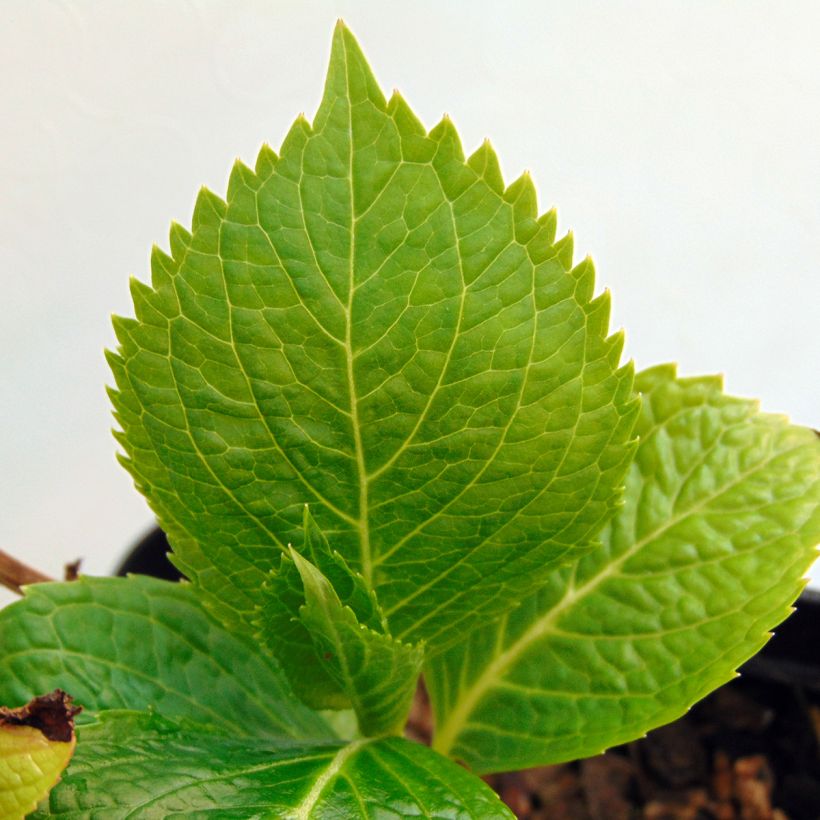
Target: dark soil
[{"x": 749, "y": 751}]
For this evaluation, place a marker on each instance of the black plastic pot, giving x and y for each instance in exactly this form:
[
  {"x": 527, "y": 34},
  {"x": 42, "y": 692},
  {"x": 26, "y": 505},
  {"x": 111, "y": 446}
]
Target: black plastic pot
[
  {"x": 793, "y": 655},
  {"x": 150, "y": 557}
]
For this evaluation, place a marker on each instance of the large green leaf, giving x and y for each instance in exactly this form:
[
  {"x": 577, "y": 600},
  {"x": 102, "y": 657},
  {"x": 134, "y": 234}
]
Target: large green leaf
[
  {"x": 140, "y": 643},
  {"x": 141, "y": 766},
  {"x": 377, "y": 327},
  {"x": 721, "y": 518}
]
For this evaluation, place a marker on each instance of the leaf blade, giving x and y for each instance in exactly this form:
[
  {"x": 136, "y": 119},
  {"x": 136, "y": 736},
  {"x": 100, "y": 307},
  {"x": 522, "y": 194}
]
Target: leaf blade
[
  {"x": 122, "y": 768},
  {"x": 374, "y": 326},
  {"x": 144, "y": 643},
  {"x": 719, "y": 526}
]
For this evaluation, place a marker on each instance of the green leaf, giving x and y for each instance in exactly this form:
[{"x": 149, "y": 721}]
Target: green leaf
[
  {"x": 372, "y": 324},
  {"x": 349, "y": 585},
  {"x": 140, "y": 766},
  {"x": 284, "y": 634},
  {"x": 721, "y": 518},
  {"x": 141, "y": 643},
  {"x": 376, "y": 672},
  {"x": 281, "y": 629},
  {"x": 327, "y": 628}
]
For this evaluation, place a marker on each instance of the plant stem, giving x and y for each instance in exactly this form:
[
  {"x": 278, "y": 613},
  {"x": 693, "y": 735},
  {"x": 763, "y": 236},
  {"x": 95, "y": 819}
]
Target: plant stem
[{"x": 14, "y": 574}]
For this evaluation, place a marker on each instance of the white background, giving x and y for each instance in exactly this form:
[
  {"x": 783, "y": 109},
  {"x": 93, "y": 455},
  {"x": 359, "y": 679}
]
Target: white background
[{"x": 680, "y": 140}]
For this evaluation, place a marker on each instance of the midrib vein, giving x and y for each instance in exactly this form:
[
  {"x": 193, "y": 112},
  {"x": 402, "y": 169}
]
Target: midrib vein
[
  {"x": 304, "y": 809},
  {"x": 364, "y": 521}
]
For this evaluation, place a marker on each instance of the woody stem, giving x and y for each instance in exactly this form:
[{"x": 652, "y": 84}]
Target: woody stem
[{"x": 14, "y": 574}]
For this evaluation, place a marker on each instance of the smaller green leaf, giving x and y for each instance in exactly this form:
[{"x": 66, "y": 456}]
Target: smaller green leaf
[
  {"x": 719, "y": 524},
  {"x": 349, "y": 585},
  {"x": 282, "y": 631},
  {"x": 138, "y": 765},
  {"x": 376, "y": 672},
  {"x": 142, "y": 643},
  {"x": 309, "y": 652}
]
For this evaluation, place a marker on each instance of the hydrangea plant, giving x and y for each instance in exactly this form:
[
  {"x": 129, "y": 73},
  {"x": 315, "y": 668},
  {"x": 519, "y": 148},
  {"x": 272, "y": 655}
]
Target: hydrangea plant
[{"x": 379, "y": 412}]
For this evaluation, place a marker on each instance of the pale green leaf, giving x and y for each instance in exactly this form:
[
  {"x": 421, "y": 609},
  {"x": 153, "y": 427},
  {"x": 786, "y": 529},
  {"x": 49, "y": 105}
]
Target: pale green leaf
[
  {"x": 377, "y": 673},
  {"x": 720, "y": 523},
  {"x": 142, "y": 643},
  {"x": 372, "y": 324},
  {"x": 139, "y": 766}
]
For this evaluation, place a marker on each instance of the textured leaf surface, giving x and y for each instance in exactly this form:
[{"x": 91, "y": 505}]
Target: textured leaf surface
[
  {"x": 721, "y": 518},
  {"x": 137, "y": 643},
  {"x": 375, "y": 326},
  {"x": 36, "y": 743},
  {"x": 122, "y": 770},
  {"x": 376, "y": 672}
]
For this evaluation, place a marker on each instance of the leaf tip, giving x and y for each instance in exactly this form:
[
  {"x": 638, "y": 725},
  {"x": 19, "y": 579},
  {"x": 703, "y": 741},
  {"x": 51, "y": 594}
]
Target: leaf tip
[
  {"x": 112, "y": 356},
  {"x": 180, "y": 239},
  {"x": 484, "y": 162},
  {"x": 523, "y": 198},
  {"x": 564, "y": 248},
  {"x": 266, "y": 161},
  {"x": 241, "y": 176},
  {"x": 208, "y": 209}
]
